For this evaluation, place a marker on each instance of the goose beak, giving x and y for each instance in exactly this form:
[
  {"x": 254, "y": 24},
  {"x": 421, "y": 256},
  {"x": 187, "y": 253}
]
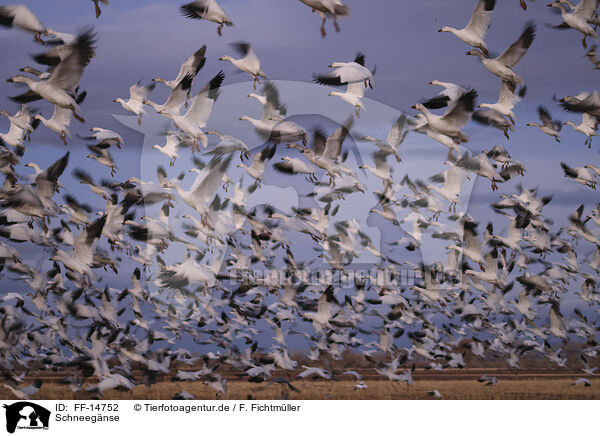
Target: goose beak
[
  {"x": 221, "y": 58},
  {"x": 413, "y": 107},
  {"x": 468, "y": 53},
  {"x": 440, "y": 30},
  {"x": 11, "y": 80}
]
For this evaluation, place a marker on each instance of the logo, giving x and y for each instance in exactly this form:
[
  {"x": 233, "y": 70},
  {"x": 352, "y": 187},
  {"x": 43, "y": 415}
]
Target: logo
[{"x": 26, "y": 416}]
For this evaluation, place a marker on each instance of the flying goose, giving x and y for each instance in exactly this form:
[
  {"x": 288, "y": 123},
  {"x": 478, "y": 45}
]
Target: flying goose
[
  {"x": 295, "y": 166},
  {"x": 101, "y": 154},
  {"x": 447, "y": 97},
  {"x": 353, "y": 96},
  {"x": 583, "y": 102},
  {"x": 208, "y": 10},
  {"x": 578, "y": 18},
  {"x": 477, "y": 27},
  {"x": 137, "y": 95},
  {"x": 21, "y": 125},
  {"x": 583, "y": 176},
  {"x": 191, "y": 66},
  {"x": 58, "y": 89},
  {"x": 21, "y": 16},
  {"x": 588, "y": 126},
  {"x": 345, "y": 73},
  {"x": 249, "y": 63},
  {"x": 492, "y": 117},
  {"x": 176, "y": 100},
  {"x": 259, "y": 163},
  {"x": 454, "y": 119},
  {"x": 97, "y": 7},
  {"x": 228, "y": 144},
  {"x": 327, "y": 8},
  {"x": 394, "y": 138},
  {"x": 273, "y": 110},
  {"x": 502, "y": 65},
  {"x": 105, "y": 136},
  {"x": 59, "y": 122},
  {"x": 200, "y": 109},
  {"x": 506, "y": 101},
  {"x": 549, "y": 126}
]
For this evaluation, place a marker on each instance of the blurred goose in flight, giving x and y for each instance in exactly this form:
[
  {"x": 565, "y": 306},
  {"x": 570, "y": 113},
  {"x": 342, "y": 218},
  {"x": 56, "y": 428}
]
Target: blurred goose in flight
[
  {"x": 327, "y": 8},
  {"x": 101, "y": 154},
  {"x": 394, "y": 138},
  {"x": 447, "y": 97},
  {"x": 200, "y": 109},
  {"x": 59, "y": 122},
  {"x": 582, "y": 102},
  {"x": 137, "y": 95},
  {"x": 259, "y": 163},
  {"x": 21, "y": 16},
  {"x": 105, "y": 136},
  {"x": 272, "y": 106},
  {"x": 477, "y": 27},
  {"x": 170, "y": 149},
  {"x": 249, "y": 63},
  {"x": 295, "y": 166},
  {"x": 228, "y": 144},
  {"x": 506, "y": 101},
  {"x": 502, "y": 65},
  {"x": 583, "y": 176},
  {"x": 58, "y": 89},
  {"x": 353, "y": 96},
  {"x": 592, "y": 55},
  {"x": 208, "y": 10},
  {"x": 21, "y": 126},
  {"x": 454, "y": 119},
  {"x": 345, "y": 73},
  {"x": 578, "y": 18},
  {"x": 588, "y": 126},
  {"x": 491, "y": 117},
  {"x": 191, "y": 66},
  {"x": 549, "y": 126},
  {"x": 97, "y": 7}
]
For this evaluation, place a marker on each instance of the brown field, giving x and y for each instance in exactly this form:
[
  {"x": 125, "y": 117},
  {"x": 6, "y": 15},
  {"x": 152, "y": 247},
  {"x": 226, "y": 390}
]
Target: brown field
[{"x": 457, "y": 388}]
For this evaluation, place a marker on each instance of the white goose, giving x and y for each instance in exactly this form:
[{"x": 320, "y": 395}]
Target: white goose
[
  {"x": 506, "y": 101},
  {"x": 447, "y": 97},
  {"x": 549, "y": 126},
  {"x": 474, "y": 33},
  {"x": 394, "y": 138},
  {"x": 502, "y": 65},
  {"x": 21, "y": 16},
  {"x": 583, "y": 176},
  {"x": 197, "y": 115},
  {"x": 249, "y": 63},
  {"x": 347, "y": 72},
  {"x": 58, "y": 89},
  {"x": 454, "y": 119},
  {"x": 588, "y": 126},
  {"x": 579, "y": 17},
  {"x": 20, "y": 126},
  {"x": 137, "y": 95},
  {"x": 327, "y": 8},
  {"x": 353, "y": 96},
  {"x": 59, "y": 122},
  {"x": 208, "y": 10},
  {"x": 191, "y": 66}
]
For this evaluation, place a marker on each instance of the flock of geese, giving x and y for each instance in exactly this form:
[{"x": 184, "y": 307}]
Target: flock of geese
[{"x": 498, "y": 295}]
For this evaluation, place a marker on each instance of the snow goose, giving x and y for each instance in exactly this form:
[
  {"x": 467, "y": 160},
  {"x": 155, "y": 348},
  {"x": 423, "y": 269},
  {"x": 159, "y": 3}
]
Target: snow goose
[
  {"x": 419, "y": 124},
  {"x": 502, "y": 65},
  {"x": 588, "y": 126},
  {"x": 295, "y": 166},
  {"x": 477, "y": 27},
  {"x": 578, "y": 18},
  {"x": 549, "y": 126},
  {"x": 97, "y": 6},
  {"x": 39, "y": 74},
  {"x": 447, "y": 97},
  {"x": 191, "y": 66},
  {"x": 353, "y": 96},
  {"x": 101, "y": 154},
  {"x": 249, "y": 63},
  {"x": 200, "y": 109},
  {"x": 58, "y": 89},
  {"x": 454, "y": 119},
  {"x": 481, "y": 165},
  {"x": 105, "y": 136},
  {"x": 21, "y": 16},
  {"x": 382, "y": 169},
  {"x": 452, "y": 180},
  {"x": 583, "y": 102},
  {"x": 582, "y": 175},
  {"x": 228, "y": 144},
  {"x": 394, "y": 138},
  {"x": 327, "y": 8},
  {"x": 491, "y": 117},
  {"x": 272, "y": 106},
  {"x": 506, "y": 101},
  {"x": 500, "y": 155},
  {"x": 208, "y": 10},
  {"x": 137, "y": 95},
  {"x": 21, "y": 126},
  {"x": 59, "y": 122},
  {"x": 177, "y": 98},
  {"x": 259, "y": 163},
  {"x": 286, "y": 131},
  {"x": 347, "y": 72}
]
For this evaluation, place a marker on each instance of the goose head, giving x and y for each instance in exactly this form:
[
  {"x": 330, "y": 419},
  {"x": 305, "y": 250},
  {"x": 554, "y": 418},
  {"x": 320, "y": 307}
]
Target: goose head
[
  {"x": 19, "y": 79},
  {"x": 418, "y": 107},
  {"x": 475, "y": 52},
  {"x": 226, "y": 58},
  {"x": 337, "y": 65},
  {"x": 446, "y": 29}
]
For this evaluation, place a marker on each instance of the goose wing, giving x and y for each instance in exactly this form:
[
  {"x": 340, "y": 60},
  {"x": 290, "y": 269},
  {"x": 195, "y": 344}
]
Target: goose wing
[
  {"x": 207, "y": 187},
  {"x": 47, "y": 181},
  {"x": 397, "y": 132},
  {"x": 192, "y": 65},
  {"x": 204, "y": 101},
  {"x": 586, "y": 9},
  {"x": 333, "y": 145},
  {"x": 513, "y": 54},
  {"x": 244, "y": 49},
  {"x": 138, "y": 92},
  {"x": 68, "y": 73},
  {"x": 481, "y": 17},
  {"x": 461, "y": 113},
  {"x": 83, "y": 244}
]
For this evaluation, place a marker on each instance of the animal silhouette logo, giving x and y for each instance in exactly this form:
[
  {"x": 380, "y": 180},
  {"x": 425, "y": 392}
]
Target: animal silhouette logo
[{"x": 26, "y": 415}]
